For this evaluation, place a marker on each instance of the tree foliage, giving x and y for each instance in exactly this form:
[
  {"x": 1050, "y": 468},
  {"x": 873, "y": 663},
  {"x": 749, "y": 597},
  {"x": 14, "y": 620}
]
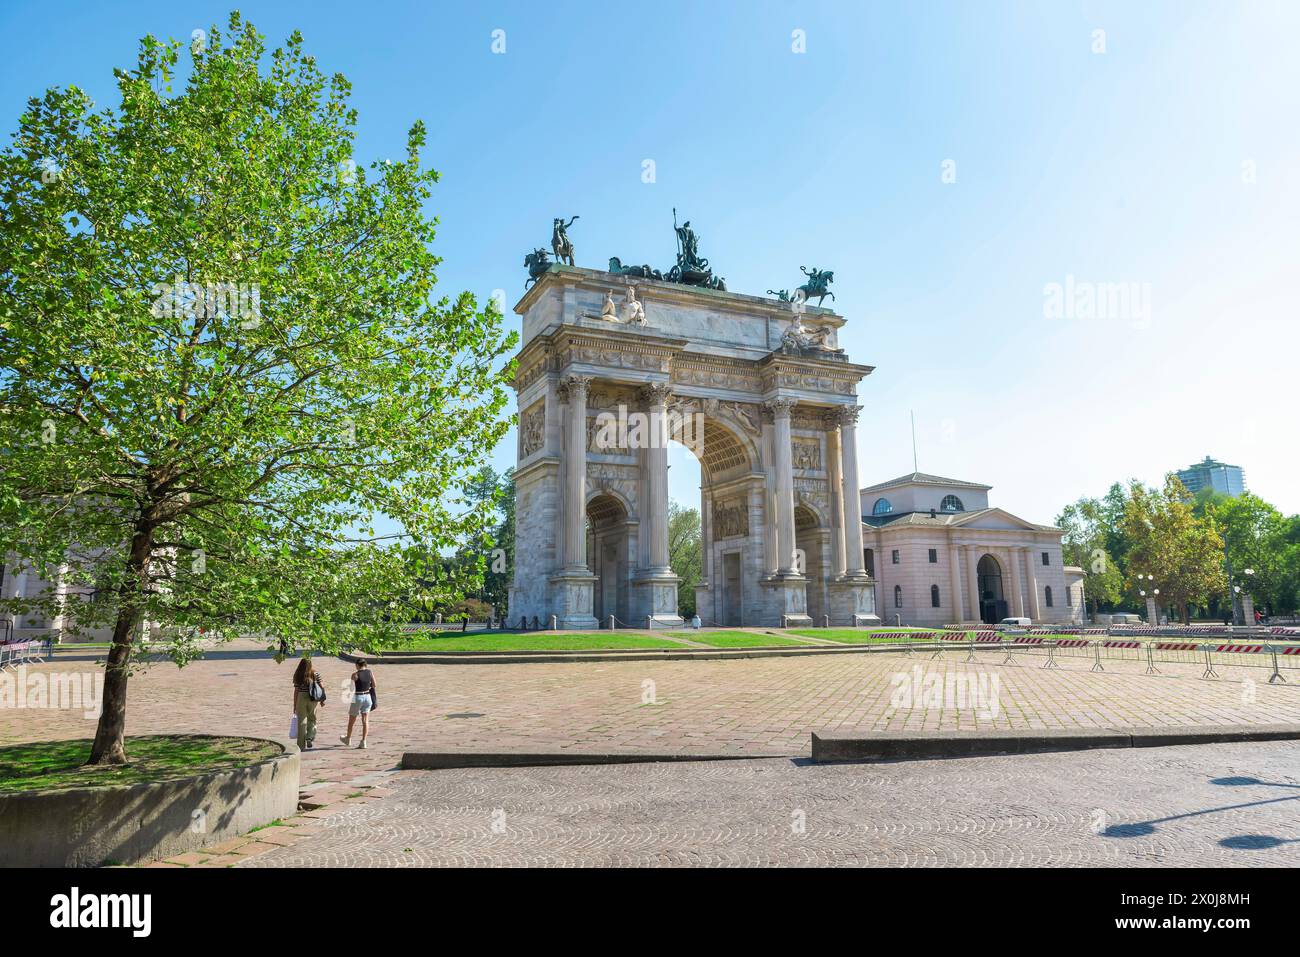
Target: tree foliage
[
  {"x": 1085, "y": 542},
  {"x": 229, "y": 398},
  {"x": 1169, "y": 542},
  {"x": 684, "y": 554}
]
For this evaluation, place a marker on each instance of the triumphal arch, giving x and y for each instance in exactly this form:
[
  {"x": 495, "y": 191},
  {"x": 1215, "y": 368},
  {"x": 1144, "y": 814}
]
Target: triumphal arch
[{"x": 616, "y": 363}]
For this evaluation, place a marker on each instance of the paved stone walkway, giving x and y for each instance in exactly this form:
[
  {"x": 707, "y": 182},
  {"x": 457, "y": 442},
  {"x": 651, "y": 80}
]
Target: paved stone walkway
[
  {"x": 762, "y": 706},
  {"x": 1213, "y": 805},
  {"x": 750, "y": 706}
]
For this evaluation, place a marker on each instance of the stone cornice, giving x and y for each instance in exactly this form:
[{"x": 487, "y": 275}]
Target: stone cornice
[{"x": 678, "y": 293}]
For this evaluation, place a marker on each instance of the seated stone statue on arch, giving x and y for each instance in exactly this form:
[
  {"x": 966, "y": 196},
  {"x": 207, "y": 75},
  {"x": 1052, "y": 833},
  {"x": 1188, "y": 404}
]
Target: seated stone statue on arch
[{"x": 800, "y": 340}]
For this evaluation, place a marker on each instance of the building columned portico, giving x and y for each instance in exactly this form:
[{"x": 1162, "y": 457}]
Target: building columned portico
[
  {"x": 762, "y": 396},
  {"x": 943, "y": 555}
]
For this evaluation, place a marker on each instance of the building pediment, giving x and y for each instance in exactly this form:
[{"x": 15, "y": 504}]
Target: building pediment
[{"x": 996, "y": 518}]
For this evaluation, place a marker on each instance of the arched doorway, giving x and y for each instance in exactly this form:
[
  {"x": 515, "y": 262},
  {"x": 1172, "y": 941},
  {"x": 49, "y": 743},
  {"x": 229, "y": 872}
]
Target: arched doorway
[
  {"x": 993, "y": 605},
  {"x": 609, "y": 554},
  {"x": 731, "y": 565}
]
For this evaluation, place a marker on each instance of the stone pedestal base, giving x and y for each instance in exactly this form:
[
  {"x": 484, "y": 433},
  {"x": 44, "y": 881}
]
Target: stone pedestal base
[
  {"x": 1153, "y": 616},
  {"x": 852, "y": 600},
  {"x": 790, "y": 594},
  {"x": 704, "y": 602},
  {"x": 572, "y": 595},
  {"x": 1247, "y": 609},
  {"x": 656, "y": 600}
]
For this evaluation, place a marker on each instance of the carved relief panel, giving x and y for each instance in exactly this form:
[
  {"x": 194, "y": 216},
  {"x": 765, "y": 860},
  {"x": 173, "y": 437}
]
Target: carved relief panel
[
  {"x": 806, "y": 453},
  {"x": 730, "y": 518},
  {"x": 532, "y": 429}
]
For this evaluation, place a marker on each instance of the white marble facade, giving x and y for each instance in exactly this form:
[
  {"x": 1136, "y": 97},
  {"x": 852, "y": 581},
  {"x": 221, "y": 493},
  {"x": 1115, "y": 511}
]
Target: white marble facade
[{"x": 777, "y": 449}]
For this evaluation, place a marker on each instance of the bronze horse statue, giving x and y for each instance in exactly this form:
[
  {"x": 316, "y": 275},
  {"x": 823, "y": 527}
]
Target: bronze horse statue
[
  {"x": 537, "y": 262},
  {"x": 561, "y": 245},
  {"x": 818, "y": 281},
  {"x": 818, "y": 284}
]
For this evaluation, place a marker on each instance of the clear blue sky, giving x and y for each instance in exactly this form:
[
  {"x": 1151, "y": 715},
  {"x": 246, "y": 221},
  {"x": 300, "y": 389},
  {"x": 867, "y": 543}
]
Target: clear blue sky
[{"x": 1122, "y": 166}]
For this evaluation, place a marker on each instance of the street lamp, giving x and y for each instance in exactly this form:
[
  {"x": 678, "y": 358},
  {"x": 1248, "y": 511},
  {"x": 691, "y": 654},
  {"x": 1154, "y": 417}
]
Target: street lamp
[
  {"x": 1247, "y": 603},
  {"x": 1153, "y": 614}
]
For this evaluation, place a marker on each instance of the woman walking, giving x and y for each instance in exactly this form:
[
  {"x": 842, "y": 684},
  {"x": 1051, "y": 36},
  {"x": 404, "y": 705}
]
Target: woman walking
[
  {"x": 308, "y": 694},
  {"x": 364, "y": 700}
]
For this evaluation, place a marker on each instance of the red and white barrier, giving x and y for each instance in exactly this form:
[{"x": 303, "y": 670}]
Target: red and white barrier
[{"x": 1176, "y": 646}]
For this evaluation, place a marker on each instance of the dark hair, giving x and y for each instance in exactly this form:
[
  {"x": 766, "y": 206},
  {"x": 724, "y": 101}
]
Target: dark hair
[
  {"x": 301, "y": 675},
  {"x": 361, "y": 662}
]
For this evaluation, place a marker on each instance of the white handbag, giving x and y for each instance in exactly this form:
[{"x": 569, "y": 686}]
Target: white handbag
[{"x": 293, "y": 728}]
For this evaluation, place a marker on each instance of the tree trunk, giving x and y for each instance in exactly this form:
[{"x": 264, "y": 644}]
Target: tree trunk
[{"x": 110, "y": 745}]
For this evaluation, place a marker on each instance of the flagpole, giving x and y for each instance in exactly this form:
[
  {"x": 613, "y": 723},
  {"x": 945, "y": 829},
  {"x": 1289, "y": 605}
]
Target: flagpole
[{"x": 915, "y": 467}]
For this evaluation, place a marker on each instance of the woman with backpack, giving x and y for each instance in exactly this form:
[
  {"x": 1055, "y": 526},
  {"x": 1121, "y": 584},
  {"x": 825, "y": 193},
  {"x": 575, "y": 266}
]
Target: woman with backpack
[
  {"x": 308, "y": 694},
  {"x": 364, "y": 700}
]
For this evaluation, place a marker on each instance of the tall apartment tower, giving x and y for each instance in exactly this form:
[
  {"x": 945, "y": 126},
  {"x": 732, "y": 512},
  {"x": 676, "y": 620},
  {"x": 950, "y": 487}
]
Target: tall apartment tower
[{"x": 1227, "y": 479}]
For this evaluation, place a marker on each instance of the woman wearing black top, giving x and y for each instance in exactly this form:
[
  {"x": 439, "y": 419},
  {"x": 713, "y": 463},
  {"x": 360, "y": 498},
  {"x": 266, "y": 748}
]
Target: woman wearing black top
[{"x": 364, "y": 700}]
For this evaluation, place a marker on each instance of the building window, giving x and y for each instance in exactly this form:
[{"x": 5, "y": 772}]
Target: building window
[
  {"x": 1069, "y": 597},
  {"x": 882, "y": 507},
  {"x": 934, "y": 556},
  {"x": 951, "y": 503},
  {"x": 934, "y": 596},
  {"x": 893, "y": 556},
  {"x": 1047, "y": 593},
  {"x": 898, "y": 596},
  {"x": 1046, "y": 561}
]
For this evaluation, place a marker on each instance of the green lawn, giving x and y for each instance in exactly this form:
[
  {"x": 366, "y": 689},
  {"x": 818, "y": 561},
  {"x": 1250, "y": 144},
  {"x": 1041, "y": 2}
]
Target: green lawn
[
  {"x": 533, "y": 641},
  {"x": 59, "y": 764},
  {"x": 737, "y": 639}
]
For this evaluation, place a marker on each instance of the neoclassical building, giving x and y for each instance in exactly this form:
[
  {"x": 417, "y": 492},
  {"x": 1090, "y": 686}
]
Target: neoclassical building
[
  {"x": 757, "y": 388},
  {"x": 939, "y": 554}
]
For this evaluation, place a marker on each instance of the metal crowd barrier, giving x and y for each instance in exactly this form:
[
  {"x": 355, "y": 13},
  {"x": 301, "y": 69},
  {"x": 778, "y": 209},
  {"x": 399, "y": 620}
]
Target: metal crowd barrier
[
  {"x": 1264, "y": 654},
  {"x": 17, "y": 653}
]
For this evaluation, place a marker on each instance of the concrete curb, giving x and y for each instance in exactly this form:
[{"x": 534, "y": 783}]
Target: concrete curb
[
  {"x": 447, "y": 760},
  {"x": 832, "y": 746},
  {"x": 666, "y": 654}
]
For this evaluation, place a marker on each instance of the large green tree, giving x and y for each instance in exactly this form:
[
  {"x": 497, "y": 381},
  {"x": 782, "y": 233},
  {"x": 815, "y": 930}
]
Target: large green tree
[
  {"x": 1182, "y": 552},
  {"x": 1087, "y": 536},
  {"x": 229, "y": 397},
  {"x": 1256, "y": 536},
  {"x": 684, "y": 554}
]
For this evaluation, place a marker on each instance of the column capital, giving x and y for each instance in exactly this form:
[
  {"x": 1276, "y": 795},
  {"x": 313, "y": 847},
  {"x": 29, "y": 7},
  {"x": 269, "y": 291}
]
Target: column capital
[
  {"x": 655, "y": 393},
  {"x": 781, "y": 406},
  {"x": 846, "y": 415},
  {"x": 576, "y": 386}
]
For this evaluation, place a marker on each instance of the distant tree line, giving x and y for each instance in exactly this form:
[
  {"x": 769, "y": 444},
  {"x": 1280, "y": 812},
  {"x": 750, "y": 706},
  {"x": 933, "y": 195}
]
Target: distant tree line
[{"x": 1187, "y": 544}]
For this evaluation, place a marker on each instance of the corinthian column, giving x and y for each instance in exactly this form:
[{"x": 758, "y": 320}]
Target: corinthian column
[
  {"x": 954, "y": 579},
  {"x": 784, "y": 466},
  {"x": 1017, "y": 599},
  {"x": 1031, "y": 585},
  {"x": 848, "y": 417},
  {"x": 575, "y": 484},
  {"x": 972, "y": 556},
  {"x": 837, "y": 496},
  {"x": 656, "y": 397}
]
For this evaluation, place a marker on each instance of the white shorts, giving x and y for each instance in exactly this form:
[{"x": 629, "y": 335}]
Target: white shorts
[{"x": 361, "y": 704}]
